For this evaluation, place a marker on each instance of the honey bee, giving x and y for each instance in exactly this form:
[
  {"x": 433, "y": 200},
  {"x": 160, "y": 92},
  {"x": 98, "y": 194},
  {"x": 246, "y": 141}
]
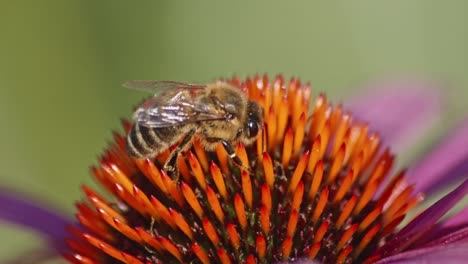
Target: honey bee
[{"x": 178, "y": 112}]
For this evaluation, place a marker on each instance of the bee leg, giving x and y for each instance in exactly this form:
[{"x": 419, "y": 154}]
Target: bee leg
[
  {"x": 171, "y": 164},
  {"x": 153, "y": 222},
  {"x": 232, "y": 154}
]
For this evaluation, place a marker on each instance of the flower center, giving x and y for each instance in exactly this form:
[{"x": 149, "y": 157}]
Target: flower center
[{"x": 312, "y": 187}]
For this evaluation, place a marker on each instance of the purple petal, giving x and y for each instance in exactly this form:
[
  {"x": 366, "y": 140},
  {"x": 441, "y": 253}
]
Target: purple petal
[
  {"x": 454, "y": 253},
  {"x": 29, "y": 213},
  {"x": 400, "y": 111},
  {"x": 460, "y": 219},
  {"x": 445, "y": 163},
  {"x": 424, "y": 222},
  {"x": 454, "y": 237},
  {"x": 446, "y": 229}
]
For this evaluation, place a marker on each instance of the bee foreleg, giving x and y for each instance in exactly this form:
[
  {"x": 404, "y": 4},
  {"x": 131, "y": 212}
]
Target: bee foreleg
[
  {"x": 170, "y": 166},
  {"x": 232, "y": 154},
  {"x": 151, "y": 230},
  {"x": 153, "y": 221}
]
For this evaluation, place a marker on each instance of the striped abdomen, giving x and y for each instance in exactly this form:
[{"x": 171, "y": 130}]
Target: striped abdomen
[{"x": 143, "y": 142}]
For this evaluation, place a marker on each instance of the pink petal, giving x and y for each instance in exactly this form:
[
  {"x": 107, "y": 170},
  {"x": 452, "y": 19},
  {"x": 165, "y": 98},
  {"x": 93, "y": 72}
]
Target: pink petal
[
  {"x": 447, "y": 162},
  {"x": 400, "y": 111},
  {"x": 453, "y": 254},
  {"x": 424, "y": 222}
]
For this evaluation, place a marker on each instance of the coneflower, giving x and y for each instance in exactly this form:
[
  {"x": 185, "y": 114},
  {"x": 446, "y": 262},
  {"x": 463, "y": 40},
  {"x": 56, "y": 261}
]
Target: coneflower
[{"x": 319, "y": 185}]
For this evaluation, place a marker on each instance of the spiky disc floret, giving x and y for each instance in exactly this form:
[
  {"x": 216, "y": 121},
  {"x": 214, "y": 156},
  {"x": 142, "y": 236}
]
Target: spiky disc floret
[{"x": 311, "y": 191}]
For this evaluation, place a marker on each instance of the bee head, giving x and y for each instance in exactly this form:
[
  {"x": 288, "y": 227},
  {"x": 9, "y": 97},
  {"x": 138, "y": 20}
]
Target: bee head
[{"x": 254, "y": 120}]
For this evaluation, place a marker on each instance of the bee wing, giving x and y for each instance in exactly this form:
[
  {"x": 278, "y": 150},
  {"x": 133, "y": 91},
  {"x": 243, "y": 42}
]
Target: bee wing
[
  {"x": 160, "y": 87},
  {"x": 176, "y": 107}
]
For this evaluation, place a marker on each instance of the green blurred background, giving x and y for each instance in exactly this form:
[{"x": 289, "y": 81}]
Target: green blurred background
[{"x": 62, "y": 64}]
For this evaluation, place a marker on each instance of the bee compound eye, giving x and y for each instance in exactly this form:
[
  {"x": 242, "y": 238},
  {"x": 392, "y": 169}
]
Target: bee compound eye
[{"x": 252, "y": 128}]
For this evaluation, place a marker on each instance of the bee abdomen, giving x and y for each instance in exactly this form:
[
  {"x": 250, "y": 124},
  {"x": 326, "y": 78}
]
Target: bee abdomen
[
  {"x": 145, "y": 141},
  {"x": 142, "y": 142},
  {"x": 151, "y": 138},
  {"x": 170, "y": 134}
]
